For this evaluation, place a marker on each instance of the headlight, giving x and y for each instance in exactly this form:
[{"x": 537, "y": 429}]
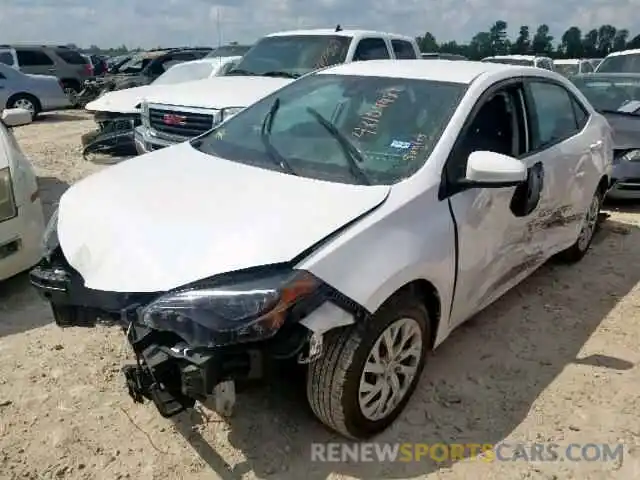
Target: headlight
[
  {"x": 217, "y": 117},
  {"x": 213, "y": 315},
  {"x": 50, "y": 238},
  {"x": 230, "y": 112},
  {"x": 631, "y": 156},
  {"x": 7, "y": 200}
]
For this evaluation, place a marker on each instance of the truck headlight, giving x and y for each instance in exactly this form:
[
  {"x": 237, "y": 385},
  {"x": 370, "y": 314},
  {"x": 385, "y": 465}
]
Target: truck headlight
[
  {"x": 631, "y": 156},
  {"x": 8, "y": 207},
  {"x": 213, "y": 314},
  {"x": 230, "y": 112}
]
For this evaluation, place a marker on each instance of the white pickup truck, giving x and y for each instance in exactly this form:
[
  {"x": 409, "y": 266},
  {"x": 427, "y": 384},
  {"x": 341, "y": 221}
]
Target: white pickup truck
[{"x": 177, "y": 114}]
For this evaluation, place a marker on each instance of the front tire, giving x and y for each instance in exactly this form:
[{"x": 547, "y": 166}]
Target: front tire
[
  {"x": 26, "y": 102},
  {"x": 578, "y": 250},
  {"x": 368, "y": 372}
]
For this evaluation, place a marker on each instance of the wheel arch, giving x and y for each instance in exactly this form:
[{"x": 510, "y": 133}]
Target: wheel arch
[
  {"x": 31, "y": 96},
  {"x": 428, "y": 294},
  {"x": 72, "y": 82}
]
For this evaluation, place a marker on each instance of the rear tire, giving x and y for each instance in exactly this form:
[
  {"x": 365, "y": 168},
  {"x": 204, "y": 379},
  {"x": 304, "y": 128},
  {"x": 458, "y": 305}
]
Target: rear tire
[
  {"x": 590, "y": 224},
  {"x": 27, "y": 102},
  {"x": 71, "y": 90},
  {"x": 340, "y": 392}
]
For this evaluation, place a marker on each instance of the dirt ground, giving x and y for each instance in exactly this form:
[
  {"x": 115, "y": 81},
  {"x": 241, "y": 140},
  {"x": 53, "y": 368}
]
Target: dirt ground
[{"x": 553, "y": 361}]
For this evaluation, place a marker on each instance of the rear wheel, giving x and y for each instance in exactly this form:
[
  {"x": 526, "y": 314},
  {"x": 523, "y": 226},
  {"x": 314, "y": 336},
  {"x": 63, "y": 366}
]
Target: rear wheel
[
  {"x": 589, "y": 227},
  {"x": 26, "y": 102},
  {"x": 369, "y": 371},
  {"x": 71, "y": 90}
]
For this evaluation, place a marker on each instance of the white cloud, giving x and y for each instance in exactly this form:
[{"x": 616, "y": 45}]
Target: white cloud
[{"x": 166, "y": 22}]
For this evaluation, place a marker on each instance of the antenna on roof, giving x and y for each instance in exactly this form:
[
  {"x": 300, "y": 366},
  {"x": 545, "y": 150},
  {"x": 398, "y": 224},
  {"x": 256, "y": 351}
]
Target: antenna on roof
[{"x": 338, "y": 28}]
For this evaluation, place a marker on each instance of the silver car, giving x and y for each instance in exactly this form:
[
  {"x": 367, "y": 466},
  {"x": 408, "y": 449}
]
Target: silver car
[
  {"x": 35, "y": 93},
  {"x": 617, "y": 97}
]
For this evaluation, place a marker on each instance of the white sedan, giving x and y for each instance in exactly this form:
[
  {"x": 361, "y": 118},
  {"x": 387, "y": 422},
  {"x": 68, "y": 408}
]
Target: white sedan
[
  {"x": 350, "y": 221},
  {"x": 21, "y": 218}
]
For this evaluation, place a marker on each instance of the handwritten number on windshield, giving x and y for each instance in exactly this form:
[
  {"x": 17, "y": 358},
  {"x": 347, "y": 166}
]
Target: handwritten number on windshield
[{"x": 368, "y": 124}]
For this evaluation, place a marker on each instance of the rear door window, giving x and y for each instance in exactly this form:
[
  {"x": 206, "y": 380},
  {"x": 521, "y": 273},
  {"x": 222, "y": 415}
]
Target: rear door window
[
  {"x": 71, "y": 56},
  {"x": 371, "y": 49},
  {"x": 403, "y": 49}
]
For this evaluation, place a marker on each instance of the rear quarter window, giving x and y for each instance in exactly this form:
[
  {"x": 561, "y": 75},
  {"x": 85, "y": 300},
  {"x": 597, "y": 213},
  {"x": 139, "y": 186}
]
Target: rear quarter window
[
  {"x": 403, "y": 49},
  {"x": 72, "y": 57}
]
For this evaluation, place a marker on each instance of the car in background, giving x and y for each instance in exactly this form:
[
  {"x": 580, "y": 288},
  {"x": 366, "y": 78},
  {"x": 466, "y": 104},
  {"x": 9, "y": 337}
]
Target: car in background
[
  {"x": 523, "y": 60},
  {"x": 143, "y": 68},
  {"x": 98, "y": 62},
  {"x": 21, "y": 216},
  {"x": 617, "y": 97},
  {"x": 127, "y": 100},
  {"x": 229, "y": 51},
  {"x": 442, "y": 56},
  {"x": 117, "y": 112},
  {"x": 626, "y": 61},
  {"x": 176, "y": 114},
  {"x": 572, "y": 66},
  {"x": 63, "y": 62},
  {"x": 34, "y": 93},
  {"x": 347, "y": 222},
  {"x": 114, "y": 63}
]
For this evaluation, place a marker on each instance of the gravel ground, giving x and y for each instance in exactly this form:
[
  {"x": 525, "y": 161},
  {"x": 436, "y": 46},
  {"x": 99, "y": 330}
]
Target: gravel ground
[{"x": 553, "y": 361}]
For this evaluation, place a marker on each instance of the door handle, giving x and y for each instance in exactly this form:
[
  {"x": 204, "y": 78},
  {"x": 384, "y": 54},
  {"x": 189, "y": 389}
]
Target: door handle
[
  {"x": 596, "y": 146},
  {"x": 52, "y": 70}
]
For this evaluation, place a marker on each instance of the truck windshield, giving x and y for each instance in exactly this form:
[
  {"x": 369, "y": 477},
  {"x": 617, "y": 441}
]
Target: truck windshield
[
  {"x": 339, "y": 128},
  {"x": 293, "y": 55},
  {"x": 629, "y": 63}
]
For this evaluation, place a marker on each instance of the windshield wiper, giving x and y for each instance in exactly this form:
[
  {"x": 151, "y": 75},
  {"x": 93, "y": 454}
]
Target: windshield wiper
[
  {"x": 280, "y": 73},
  {"x": 265, "y": 133},
  {"x": 240, "y": 71},
  {"x": 351, "y": 152}
]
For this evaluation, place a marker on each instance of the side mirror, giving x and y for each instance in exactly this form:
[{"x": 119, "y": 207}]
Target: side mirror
[
  {"x": 14, "y": 117},
  {"x": 494, "y": 170}
]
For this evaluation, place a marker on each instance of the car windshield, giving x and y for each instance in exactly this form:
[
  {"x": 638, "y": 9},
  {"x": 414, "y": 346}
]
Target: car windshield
[
  {"x": 293, "y": 55},
  {"x": 620, "y": 64},
  {"x": 346, "y": 129},
  {"x": 610, "y": 93},
  {"x": 510, "y": 61},
  {"x": 185, "y": 72},
  {"x": 229, "y": 51},
  {"x": 567, "y": 69}
]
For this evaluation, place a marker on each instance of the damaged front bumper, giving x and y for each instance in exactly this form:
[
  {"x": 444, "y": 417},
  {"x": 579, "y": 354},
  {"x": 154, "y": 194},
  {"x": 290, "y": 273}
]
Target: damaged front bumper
[
  {"x": 114, "y": 135},
  {"x": 181, "y": 356}
]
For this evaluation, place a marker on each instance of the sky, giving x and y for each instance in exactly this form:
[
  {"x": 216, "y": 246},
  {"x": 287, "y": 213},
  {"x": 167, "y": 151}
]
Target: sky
[{"x": 150, "y": 23}]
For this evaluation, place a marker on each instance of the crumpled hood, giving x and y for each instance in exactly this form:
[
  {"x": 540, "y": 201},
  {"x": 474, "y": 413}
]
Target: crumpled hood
[
  {"x": 626, "y": 131},
  {"x": 218, "y": 92},
  {"x": 174, "y": 216},
  {"x": 119, "y": 101}
]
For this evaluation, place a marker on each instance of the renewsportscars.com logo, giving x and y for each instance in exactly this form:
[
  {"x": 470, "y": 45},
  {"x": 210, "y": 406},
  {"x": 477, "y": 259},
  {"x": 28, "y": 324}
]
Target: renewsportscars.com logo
[{"x": 441, "y": 452}]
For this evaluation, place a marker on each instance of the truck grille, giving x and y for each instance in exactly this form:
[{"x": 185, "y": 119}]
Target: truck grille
[{"x": 179, "y": 123}]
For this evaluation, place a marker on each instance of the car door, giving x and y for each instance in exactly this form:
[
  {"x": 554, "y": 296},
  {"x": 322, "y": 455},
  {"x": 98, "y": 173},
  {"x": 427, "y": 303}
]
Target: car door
[
  {"x": 565, "y": 140},
  {"x": 35, "y": 61},
  {"x": 497, "y": 246},
  {"x": 6, "y": 89}
]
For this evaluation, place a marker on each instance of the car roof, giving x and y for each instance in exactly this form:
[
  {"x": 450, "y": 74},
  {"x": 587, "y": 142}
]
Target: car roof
[
  {"x": 517, "y": 57},
  {"x": 455, "y": 71},
  {"x": 342, "y": 33}
]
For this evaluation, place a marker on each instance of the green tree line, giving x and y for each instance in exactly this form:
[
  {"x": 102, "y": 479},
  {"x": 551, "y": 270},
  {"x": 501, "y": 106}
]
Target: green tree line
[{"x": 574, "y": 43}]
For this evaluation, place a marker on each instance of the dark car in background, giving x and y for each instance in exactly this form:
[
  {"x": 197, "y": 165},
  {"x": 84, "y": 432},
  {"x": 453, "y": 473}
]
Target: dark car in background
[
  {"x": 617, "y": 97},
  {"x": 442, "y": 56},
  {"x": 68, "y": 64}
]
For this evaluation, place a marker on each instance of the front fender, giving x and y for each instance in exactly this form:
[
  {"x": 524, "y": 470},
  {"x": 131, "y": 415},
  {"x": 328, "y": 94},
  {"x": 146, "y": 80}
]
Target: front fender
[{"x": 391, "y": 247}]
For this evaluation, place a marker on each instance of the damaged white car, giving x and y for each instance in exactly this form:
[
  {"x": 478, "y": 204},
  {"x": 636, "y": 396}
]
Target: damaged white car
[{"x": 349, "y": 221}]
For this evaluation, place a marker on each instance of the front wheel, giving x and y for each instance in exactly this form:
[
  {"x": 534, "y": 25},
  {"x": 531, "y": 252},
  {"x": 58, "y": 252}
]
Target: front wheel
[
  {"x": 369, "y": 371},
  {"x": 588, "y": 229}
]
